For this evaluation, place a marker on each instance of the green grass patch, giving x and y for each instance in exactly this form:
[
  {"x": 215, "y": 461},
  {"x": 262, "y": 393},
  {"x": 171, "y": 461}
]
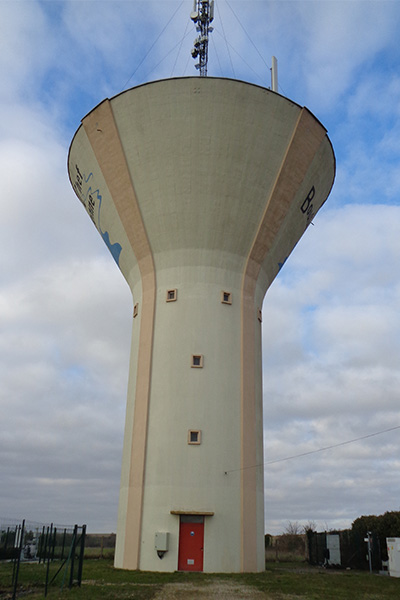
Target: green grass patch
[{"x": 288, "y": 581}]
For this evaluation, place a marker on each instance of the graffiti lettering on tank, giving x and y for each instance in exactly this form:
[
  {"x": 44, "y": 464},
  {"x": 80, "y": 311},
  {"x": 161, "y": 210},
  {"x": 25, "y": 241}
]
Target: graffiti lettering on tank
[
  {"x": 85, "y": 194},
  {"x": 78, "y": 184},
  {"x": 92, "y": 202},
  {"x": 307, "y": 207}
]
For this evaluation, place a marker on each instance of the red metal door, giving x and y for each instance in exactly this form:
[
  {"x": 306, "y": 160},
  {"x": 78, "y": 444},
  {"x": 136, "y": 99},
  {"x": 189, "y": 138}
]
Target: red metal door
[{"x": 191, "y": 541}]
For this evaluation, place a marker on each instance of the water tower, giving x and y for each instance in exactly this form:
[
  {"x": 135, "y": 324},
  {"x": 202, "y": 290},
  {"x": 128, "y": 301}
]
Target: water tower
[{"x": 200, "y": 187}]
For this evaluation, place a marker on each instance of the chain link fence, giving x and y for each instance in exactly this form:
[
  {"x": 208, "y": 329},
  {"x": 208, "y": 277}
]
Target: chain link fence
[{"x": 28, "y": 541}]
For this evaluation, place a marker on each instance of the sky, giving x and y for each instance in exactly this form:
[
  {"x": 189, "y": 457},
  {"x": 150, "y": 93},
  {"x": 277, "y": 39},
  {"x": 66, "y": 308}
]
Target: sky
[{"x": 331, "y": 323}]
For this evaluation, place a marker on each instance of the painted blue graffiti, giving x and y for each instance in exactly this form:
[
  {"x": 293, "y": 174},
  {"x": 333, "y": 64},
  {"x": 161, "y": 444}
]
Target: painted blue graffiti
[
  {"x": 280, "y": 264},
  {"x": 115, "y": 248},
  {"x": 90, "y": 204}
]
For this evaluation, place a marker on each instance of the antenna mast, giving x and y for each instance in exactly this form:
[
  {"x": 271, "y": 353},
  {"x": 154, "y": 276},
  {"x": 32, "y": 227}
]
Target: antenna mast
[{"x": 202, "y": 15}]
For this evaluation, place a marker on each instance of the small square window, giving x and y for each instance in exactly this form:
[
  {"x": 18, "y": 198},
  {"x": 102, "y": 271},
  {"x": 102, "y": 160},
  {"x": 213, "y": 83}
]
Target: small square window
[
  {"x": 197, "y": 361},
  {"x": 194, "y": 437},
  {"x": 136, "y": 310},
  {"x": 259, "y": 315},
  {"x": 226, "y": 297},
  {"x": 172, "y": 295}
]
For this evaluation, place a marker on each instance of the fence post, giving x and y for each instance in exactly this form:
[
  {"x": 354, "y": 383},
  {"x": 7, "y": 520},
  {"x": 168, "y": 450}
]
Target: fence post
[
  {"x": 54, "y": 542},
  {"x": 63, "y": 543},
  {"x": 46, "y": 541},
  {"x": 41, "y": 542},
  {"x": 81, "y": 553},
  {"x": 48, "y": 561},
  {"x": 74, "y": 540},
  {"x": 5, "y": 544},
  {"x": 18, "y": 560},
  {"x": 16, "y": 533}
]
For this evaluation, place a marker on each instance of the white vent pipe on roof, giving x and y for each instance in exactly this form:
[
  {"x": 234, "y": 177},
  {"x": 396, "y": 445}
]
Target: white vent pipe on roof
[{"x": 274, "y": 75}]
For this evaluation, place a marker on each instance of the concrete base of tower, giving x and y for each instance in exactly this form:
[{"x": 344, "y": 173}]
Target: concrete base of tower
[{"x": 193, "y": 541}]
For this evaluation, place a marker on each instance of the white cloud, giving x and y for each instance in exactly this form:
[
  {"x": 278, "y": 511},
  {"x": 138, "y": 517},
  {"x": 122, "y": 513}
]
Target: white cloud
[
  {"x": 26, "y": 48},
  {"x": 345, "y": 381},
  {"x": 341, "y": 38}
]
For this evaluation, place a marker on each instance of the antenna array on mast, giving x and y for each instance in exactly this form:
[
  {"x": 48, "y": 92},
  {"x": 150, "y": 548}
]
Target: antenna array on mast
[{"x": 202, "y": 15}]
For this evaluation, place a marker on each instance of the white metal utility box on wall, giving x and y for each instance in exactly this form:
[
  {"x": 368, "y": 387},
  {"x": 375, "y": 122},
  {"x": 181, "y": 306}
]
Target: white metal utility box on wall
[
  {"x": 161, "y": 540},
  {"x": 393, "y": 548}
]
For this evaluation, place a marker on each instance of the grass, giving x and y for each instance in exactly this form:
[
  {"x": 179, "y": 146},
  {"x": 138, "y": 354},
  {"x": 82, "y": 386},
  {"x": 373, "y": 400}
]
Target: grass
[
  {"x": 97, "y": 552},
  {"x": 280, "y": 581}
]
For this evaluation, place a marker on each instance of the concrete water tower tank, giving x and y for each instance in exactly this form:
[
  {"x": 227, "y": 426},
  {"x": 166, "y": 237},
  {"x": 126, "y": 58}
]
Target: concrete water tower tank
[{"x": 201, "y": 188}]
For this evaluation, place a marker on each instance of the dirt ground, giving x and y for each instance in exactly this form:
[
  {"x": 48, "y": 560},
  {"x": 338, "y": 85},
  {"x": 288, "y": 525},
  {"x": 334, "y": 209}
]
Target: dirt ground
[{"x": 211, "y": 590}]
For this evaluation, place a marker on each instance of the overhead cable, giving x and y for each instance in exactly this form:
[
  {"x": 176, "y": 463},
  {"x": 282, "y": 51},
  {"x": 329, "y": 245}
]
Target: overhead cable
[
  {"x": 278, "y": 460},
  {"x": 249, "y": 38},
  {"x": 226, "y": 41},
  {"x": 153, "y": 44}
]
